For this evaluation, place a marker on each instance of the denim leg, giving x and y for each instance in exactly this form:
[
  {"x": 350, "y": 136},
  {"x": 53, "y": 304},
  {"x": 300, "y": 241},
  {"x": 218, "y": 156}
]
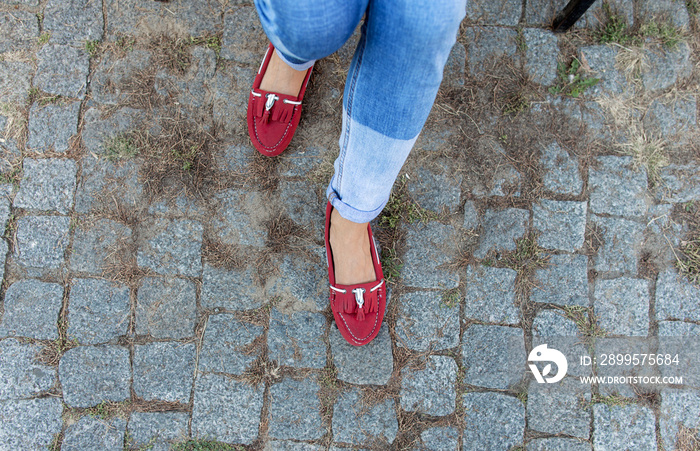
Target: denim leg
[
  {"x": 303, "y": 31},
  {"x": 391, "y": 87}
]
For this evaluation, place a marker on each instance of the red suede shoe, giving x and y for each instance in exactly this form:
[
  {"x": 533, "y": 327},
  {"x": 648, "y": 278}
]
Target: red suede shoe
[
  {"x": 358, "y": 309},
  {"x": 273, "y": 117}
]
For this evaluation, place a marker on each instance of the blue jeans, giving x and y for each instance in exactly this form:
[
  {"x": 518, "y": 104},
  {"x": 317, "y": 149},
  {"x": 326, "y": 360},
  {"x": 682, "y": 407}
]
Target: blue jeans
[{"x": 391, "y": 85}]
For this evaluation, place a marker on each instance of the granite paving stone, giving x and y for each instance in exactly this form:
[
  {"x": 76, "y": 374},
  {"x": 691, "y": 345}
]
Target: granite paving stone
[
  {"x": 231, "y": 85},
  {"x": 629, "y": 427},
  {"x": 73, "y": 21},
  {"x": 435, "y": 139},
  {"x": 601, "y": 59},
  {"x": 558, "y": 444},
  {"x": 501, "y": 230},
  {"x": 301, "y": 204},
  {"x": 487, "y": 45},
  {"x": 157, "y": 429},
  {"x": 541, "y": 54},
  {"x": 62, "y": 70},
  {"x": 41, "y": 241},
  {"x": 302, "y": 163},
  {"x": 239, "y": 219},
  {"x": 90, "y": 375},
  {"x": 164, "y": 371},
  {"x": 430, "y": 391},
  {"x": 558, "y": 408},
  {"x": 490, "y": 295},
  {"x": 554, "y": 328},
  {"x": 243, "y": 40},
  {"x": 489, "y": 353},
  {"x": 296, "y": 340},
  {"x": 561, "y": 224},
  {"x": 166, "y": 308},
  {"x": 224, "y": 345},
  {"x": 193, "y": 89},
  {"x": 624, "y": 387},
  {"x": 236, "y": 157},
  {"x": 425, "y": 322},
  {"x": 301, "y": 282},
  {"x": 543, "y": 12},
  {"x": 617, "y": 188},
  {"x": 499, "y": 177},
  {"x": 226, "y": 410},
  {"x": 30, "y": 423},
  {"x": 679, "y": 408},
  {"x": 677, "y": 338},
  {"x": 97, "y": 244},
  {"x": 454, "y": 68},
  {"x": 622, "y": 306},
  {"x": 230, "y": 289},
  {"x": 52, "y": 126},
  {"x": 665, "y": 66},
  {"x": 493, "y": 421},
  {"x": 676, "y": 297},
  {"x": 491, "y": 13},
  {"x": 564, "y": 281},
  {"x": 369, "y": 364},
  {"x": 674, "y": 120},
  {"x": 108, "y": 186},
  {"x": 3, "y": 253},
  {"x": 678, "y": 183},
  {"x": 356, "y": 422},
  {"x": 15, "y": 81},
  {"x": 620, "y": 241},
  {"x": 98, "y": 311},
  {"x": 428, "y": 247},
  {"x": 471, "y": 215},
  {"x": 47, "y": 185},
  {"x": 94, "y": 434},
  {"x": 111, "y": 82},
  {"x": 31, "y": 310},
  {"x": 18, "y": 30},
  {"x": 436, "y": 191},
  {"x": 23, "y": 375},
  {"x": 171, "y": 246},
  {"x": 5, "y": 202},
  {"x": 100, "y": 128},
  {"x": 561, "y": 171},
  {"x": 440, "y": 438},
  {"x": 672, "y": 11},
  {"x": 288, "y": 445},
  {"x": 295, "y": 410}
]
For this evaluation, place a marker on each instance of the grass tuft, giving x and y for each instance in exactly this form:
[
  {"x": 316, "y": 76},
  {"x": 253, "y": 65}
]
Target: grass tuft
[
  {"x": 688, "y": 263},
  {"x": 120, "y": 147},
  {"x": 450, "y": 298},
  {"x": 572, "y": 81},
  {"x": 204, "y": 445}
]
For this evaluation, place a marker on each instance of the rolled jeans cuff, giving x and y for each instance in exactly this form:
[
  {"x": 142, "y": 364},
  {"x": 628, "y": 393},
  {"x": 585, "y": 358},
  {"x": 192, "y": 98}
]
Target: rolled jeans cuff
[
  {"x": 350, "y": 213},
  {"x": 296, "y": 66}
]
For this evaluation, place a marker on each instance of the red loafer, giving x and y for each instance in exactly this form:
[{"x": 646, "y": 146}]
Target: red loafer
[
  {"x": 358, "y": 309},
  {"x": 273, "y": 117}
]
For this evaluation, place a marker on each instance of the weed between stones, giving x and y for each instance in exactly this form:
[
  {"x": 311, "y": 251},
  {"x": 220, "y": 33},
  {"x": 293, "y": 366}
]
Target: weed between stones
[{"x": 572, "y": 81}]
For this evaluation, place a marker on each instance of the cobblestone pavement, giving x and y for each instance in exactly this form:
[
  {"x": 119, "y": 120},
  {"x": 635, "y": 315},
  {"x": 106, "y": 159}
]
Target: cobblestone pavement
[{"x": 165, "y": 285}]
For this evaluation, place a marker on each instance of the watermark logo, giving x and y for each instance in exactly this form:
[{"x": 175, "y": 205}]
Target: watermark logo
[{"x": 542, "y": 354}]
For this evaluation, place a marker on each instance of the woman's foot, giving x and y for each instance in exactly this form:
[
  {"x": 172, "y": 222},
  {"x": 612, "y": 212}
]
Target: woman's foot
[
  {"x": 281, "y": 78},
  {"x": 352, "y": 258}
]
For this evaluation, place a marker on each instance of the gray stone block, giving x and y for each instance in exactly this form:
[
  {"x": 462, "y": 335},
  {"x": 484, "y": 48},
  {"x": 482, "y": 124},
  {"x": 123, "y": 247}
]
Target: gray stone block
[
  {"x": 295, "y": 410},
  {"x": 98, "y": 311},
  {"x": 30, "y": 424},
  {"x": 675, "y": 121},
  {"x": 19, "y": 30},
  {"x": 23, "y": 375},
  {"x": 301, "y": 282},
  {"x": 489, "y": 13},
  {"x": 171, "y": 246},
  {"x": 454, "y": 68},
  {"x": 73, "y": 21},
  {"x": 62, "y": 70},
  {"x": 601, "y": 59},
  {"x": 494, "y": 421},
  {"x": 108, "y": 186},
  {"x": 501, "y": 229},
  {"x": 52, "y": 126},
  {"x": 471, "y": 216},
  {"x": 488, "y": 46},
  {"x": 671, "y": 10},
  {"x": 666, "y": 66},
  {"x": 429, "y": 246},
  {"x": 301, "y": 204},
  {"x": 562, "y": 174},
  {"x": 623, "y": 427},
  {"x": 371, "y": 364},
  {"x": 679, "y": 183},
  {"x": 226, "y": 410},
  {"x": 94, "y": 434},
  {"x": 488, "y": 353},
  {"x": 490, "y": 295},
  {"x": 224, "y": 345},
  {"x": 680, "y": 408},
  {"x": 244, "y": 39},
  {"x": 231, "y": 289},
  {"x": 358, "y": 423},
  {"x": 436, "y": 192},
  {"x": 564, "y": 281},
  {"x": 541, "y": 54},
  {"x": 157, "y": 428},
  {"x": 231, "y": 85},
  {"x": 595, "y": 16},
  {"x": 15, "y": 81},
  {"x": 193, "y": 88},
  {"x": 676, "y": 297},
  {"x": 47, "y": 185},
  {"x": 240, "y": 217},
  {"x": 440, "y": 438},
  {"x": 296, "y": 340},
  {"x": 41, "y": 241},
  {"x": 430, "y": 391},
  {"x": 561, "y": 225},
  {"x": 99, "y": 130},
  {"x": 621, "y": 345},
  {"x": 95, "y": 245},
  {"x": 558, "y": 408},
  {"x": 425, "y": 322},
  {"x": 111, "y": 80},
  {"x": 31, "y": 310},
  {"x": 288, "y": 445},
  {"x": 553, "y": 328},
  {"x": 3, "y": 254},
  {"x": 617, "y": 188},
  {"x": 166, "y": 308},
  {"x": 620, "y": 242},
  {"x": 164, "y": 371},
  {"x": 622, "y": 306},
  {"x": 235, "y": 157},
  {"x": 90, "y": 375},
  {"x": 558, "y": 444}
]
